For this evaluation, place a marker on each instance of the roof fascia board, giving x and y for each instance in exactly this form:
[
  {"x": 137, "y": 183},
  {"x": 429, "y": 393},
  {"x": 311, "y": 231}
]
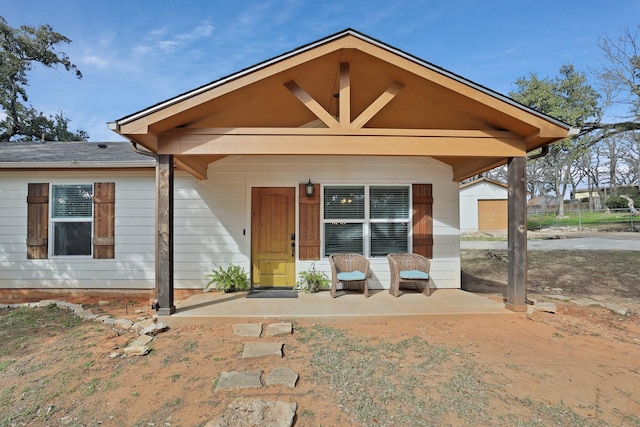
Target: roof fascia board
[{"x": 77, "y": 165}]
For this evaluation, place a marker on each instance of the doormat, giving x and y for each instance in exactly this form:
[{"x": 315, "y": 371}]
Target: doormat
[{"x": 272, "y": 293}]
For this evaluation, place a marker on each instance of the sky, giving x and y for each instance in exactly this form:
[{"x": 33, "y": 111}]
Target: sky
[{"x": 136, "y": 53}]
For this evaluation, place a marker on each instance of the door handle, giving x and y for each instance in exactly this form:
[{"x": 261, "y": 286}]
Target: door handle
[
  {"x": 293, "y": 236},
  {"x": 293, "y": 249}
]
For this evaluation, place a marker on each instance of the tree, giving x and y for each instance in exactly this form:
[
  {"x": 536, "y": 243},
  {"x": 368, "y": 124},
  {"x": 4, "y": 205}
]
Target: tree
[
  {"x": 620, "y": 81},
  {"x": 571, "y": 99},
  {"x": 21, "y": 49}
]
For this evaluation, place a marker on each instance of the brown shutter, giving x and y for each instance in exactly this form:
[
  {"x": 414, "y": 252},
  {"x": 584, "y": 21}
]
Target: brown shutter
[
  {"x": 104, "y": 194},
  {"x": 37, "y": 221},
  {"x": 309, "y": 239},
  {"x": 423, "y": 220}
]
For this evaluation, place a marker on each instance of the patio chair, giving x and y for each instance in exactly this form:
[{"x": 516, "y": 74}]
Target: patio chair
[
  {"x": 409, "y": 270},
  {"x": 350, "y": 270}
]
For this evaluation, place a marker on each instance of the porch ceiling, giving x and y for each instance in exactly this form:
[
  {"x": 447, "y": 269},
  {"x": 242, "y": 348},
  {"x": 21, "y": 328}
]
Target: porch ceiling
[{"x": 348, "y": 95}]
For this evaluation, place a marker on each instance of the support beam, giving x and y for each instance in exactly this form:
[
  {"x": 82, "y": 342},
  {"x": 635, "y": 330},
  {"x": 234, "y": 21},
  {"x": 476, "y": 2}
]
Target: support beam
[
  {"x": 377, "y": 105},
  {"x": 313, "y": 105},
  {"x": 344, "y": 110},
  {"x": 164, "y": 235},
  {"x": 517, "y": 235},
  {"x": 363, "y": 142}
]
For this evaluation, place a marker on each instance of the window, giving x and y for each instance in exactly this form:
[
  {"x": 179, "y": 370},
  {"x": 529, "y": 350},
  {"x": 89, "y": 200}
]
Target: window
[
  {"x": 59, "y": 220},
  {"x": 369, "y": 220},
  {"x": 71, "y": 219}
]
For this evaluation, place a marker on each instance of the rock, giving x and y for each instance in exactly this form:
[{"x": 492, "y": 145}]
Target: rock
[
  {"x": 137, "y": 350},
  {"x": 86, "y": 314},
  {"x": 279, "y": 329},
  {"x": 558, "y": 297},
  {"x": 239, "y": 379},
  {"x": 103, "y": 303},
  {"x": 262, "y": 349},
  {"x": 617, "y": 309},
  {"x": 256, "y": 412},
  {"x": 584, "y": 302},
  {"x": 548, "y": 307},
  {"x": 154, "y": 329},
  {"x": 142, "y": 324},
  {"x": 47, "y": 303},
  {"x": 247, "y": 329},
  {"x": 123, "y": 324},
  {"x": 141, "y": 340},
  {"x": 558, "y": 290},
  {"x": 282, "y": 376}
]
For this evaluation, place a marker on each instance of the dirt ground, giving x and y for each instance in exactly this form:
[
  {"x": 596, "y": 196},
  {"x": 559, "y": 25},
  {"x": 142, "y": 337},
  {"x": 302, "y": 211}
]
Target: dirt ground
[{"x": 579, "y": 366}]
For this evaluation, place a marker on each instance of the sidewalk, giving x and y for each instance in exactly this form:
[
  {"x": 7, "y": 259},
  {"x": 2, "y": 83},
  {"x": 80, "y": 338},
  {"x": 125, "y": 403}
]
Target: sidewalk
[{"x": 581, "y": 241}]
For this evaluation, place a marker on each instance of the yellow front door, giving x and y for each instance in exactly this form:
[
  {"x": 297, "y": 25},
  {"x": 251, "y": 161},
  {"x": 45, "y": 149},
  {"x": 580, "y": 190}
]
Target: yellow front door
[{"x": 273, "y": 236}]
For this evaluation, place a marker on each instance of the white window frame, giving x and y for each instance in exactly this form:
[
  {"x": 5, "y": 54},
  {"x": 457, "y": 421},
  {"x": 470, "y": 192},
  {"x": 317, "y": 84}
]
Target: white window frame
[
  {"x": 53, "y": 220},
  {"x": 367, "y": 220}
]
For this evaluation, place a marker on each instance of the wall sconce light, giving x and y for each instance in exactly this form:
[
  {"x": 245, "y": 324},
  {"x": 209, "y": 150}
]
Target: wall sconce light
[{"x": 308, "y": 189}]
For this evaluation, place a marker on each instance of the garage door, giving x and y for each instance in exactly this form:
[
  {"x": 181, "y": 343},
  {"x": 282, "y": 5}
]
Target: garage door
[{"x": 492, "y": 214}]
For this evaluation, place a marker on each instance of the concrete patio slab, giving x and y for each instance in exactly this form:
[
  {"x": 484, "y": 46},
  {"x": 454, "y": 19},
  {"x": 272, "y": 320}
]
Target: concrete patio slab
[{"x": 218, "y": 306}]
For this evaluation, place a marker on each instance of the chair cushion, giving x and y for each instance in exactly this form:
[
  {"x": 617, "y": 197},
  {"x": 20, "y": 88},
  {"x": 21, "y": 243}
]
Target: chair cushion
[
  {"x": 351, "y": 275},
  {"x": 414, "y": 275}
]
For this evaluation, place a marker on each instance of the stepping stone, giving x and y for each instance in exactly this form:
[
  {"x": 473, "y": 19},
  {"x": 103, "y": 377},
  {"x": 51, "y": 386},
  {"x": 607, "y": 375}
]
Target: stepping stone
[
  {"x": 282, "y": 376},
  {"x": 279, "y": 329},
  {"x": 547, "y": 307},
  {"x": 256, "y": 412},
  {"x": 141, "y": 340},
  {"x": 248, "y": 329},
  {"x": 261, "y": 349},
  {"x": 239, "y": 379}
]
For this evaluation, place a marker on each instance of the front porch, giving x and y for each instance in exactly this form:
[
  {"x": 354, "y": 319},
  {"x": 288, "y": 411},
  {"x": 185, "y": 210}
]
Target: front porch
[{"x": 220, "y": 307}]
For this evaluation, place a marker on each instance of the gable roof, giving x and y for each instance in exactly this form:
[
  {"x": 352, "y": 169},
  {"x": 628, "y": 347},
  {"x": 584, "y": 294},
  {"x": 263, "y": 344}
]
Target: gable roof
[
  {"x": 481, "y": 180},
  {"x": 304, "y": 48},
  {"x": 25, "y": 155},
  {"x": 356, "y": 95}
]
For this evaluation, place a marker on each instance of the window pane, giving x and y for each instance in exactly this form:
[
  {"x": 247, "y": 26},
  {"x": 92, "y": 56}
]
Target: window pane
[
  {"x": 344, "y": 202},
  {"x": 342, "y": 238},
  {"x": 72, "y": 201},
  {"x": 389, "y": 202},
  {"x": 72, "y": 238},
  {"x": 388, "y": 237}
]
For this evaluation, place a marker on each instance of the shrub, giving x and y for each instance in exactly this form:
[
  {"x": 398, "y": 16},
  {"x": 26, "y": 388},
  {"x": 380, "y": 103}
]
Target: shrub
[{"x": 233, "y": 278}]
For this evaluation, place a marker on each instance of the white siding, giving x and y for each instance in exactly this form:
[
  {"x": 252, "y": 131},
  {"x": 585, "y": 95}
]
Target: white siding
[
  {"x": 134, "y": 263},
  {"x": 212, "y": 220},
  {"x": 213, "y": 223},
  {"x": 469, "y": 197}
]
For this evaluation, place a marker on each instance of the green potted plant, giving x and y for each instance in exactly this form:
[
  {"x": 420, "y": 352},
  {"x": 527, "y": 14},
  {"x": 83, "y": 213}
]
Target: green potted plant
[
  {"x": 312, "y": 280},
  {"x": 230, "y": 279}
]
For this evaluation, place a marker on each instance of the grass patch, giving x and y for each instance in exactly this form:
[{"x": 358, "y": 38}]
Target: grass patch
[
  {"x": 413, "y": 382},
  {"x": 585, "y": 220}
]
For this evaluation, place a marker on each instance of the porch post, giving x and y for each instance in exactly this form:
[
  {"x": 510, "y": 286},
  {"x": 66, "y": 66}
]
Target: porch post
[
  {"x": 517, "y": 235},
  {"x": 164, "y": 235}
]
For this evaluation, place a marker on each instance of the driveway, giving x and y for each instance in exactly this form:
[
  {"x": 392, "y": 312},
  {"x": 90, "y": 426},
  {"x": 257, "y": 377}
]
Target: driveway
[{"x": 582, "y": 241}]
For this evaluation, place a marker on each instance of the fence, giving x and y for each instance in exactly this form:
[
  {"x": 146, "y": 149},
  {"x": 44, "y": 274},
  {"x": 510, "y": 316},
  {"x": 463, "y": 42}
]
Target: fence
[{"x": 603, "y": 219}]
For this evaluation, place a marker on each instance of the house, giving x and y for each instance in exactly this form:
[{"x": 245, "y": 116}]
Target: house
[
  {"x": 543, "y": 204},
  {"x": 483, "y": 205},
  {"x": 379, "y": 138}
]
